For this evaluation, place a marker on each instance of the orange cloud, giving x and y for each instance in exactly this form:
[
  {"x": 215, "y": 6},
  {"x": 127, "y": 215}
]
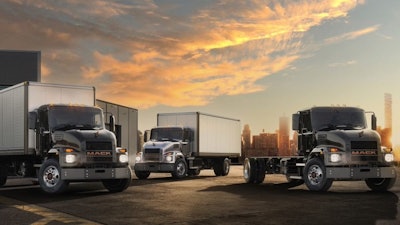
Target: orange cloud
[{"x": 142, "y": 54}]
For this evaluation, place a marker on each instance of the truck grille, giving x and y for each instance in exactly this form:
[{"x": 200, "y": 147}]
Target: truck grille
[
  {"x": 98, "y": 145},
  {"x": 152, "y": 154},
  {"x": 99, "y": 152},
  {"x": 364, "y": 151}
]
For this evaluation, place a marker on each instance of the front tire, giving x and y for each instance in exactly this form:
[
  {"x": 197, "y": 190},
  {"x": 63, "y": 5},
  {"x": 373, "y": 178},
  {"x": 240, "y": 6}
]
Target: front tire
[
  {"x": 314, "y": 176},
  {"x": 380, "y": 184},
  {"x": 142, "y": 175},
  {"x": 50, "y": 177},
  {"x": 117, "y": 185},
  {"x": 180, "y": 169}
]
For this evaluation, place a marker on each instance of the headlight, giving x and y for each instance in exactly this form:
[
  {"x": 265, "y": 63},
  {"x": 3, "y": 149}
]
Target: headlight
[
  {"x": 169, "y": 157},
  {"x": 70, "y": 158},
  {"x": 123, "y": 158},
  {"x": 138, "y": 157},
  {"x": 335, "y": 157},
  {"x": 389, "y": 157}
]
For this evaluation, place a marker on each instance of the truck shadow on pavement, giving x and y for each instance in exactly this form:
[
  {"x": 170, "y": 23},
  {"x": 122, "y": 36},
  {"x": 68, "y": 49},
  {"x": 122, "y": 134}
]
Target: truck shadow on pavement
[{"x": 301, "y": 206}]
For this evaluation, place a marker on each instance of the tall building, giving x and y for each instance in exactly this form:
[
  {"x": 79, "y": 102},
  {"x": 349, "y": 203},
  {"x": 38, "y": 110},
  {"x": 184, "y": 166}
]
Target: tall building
[
  {"x": 283, "y": 136},
  {"x": 388, "y": 110},
  {"x": 246, "y": 137}
]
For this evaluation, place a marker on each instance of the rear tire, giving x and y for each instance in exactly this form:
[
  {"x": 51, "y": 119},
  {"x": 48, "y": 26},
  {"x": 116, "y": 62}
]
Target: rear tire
[
  {"x": 50, "y": 177},
  {"x": 314, "y": 176},
  {"x": 254, "y": 170},
  {"x": 3, "y": 174},
  {"x": 221, "y": 167}
]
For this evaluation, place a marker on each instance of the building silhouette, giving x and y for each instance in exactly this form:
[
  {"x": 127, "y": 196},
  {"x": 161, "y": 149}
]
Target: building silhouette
[
  {"x": 283, "y": 136},
  {"x": 246, "y": 137}
]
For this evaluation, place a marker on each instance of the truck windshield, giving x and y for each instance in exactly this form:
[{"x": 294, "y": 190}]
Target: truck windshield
[
  {"x": 75, "y": 117},
  {"x": 167, "y": 134},
  {"x": 345, "y": 118}
]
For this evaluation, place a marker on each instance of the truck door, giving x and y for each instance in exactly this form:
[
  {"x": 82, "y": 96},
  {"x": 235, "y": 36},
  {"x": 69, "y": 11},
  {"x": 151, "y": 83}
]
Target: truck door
[
  {"x": 306, "y": 135},
  {"x": 43, "y": 140}
]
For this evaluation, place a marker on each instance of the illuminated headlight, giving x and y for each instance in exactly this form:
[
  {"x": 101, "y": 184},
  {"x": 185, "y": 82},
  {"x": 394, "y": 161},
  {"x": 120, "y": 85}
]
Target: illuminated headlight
[
  {"x": 138, "y": 157},
  {"x": 389, "y": 157},
  {"x": 169, "y": 157},
  {"x": 70, "y": 158},
  {"x": 123, "y": 158},
  {"x": 335, "y": 157}
]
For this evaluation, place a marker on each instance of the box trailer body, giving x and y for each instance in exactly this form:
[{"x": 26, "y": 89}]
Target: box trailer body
[
  {"x": 189, "y": 142},
  {"x": 334, "y": 143},
  {"x": 43, "y": 135}
]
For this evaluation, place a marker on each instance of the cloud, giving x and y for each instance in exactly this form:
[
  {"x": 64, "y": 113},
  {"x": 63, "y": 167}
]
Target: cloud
[
  {"x": 143, "y": 53},
  {"x": 352, "y": 35}
]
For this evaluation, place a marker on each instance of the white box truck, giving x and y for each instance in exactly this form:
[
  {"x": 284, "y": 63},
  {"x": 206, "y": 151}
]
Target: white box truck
[
  {"x": 185, "y": 143},
  {"x": 57, "y": 134}
]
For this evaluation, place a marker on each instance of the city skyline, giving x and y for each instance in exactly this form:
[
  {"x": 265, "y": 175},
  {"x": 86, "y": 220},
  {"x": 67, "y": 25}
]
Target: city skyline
[{"x": 254, "y": 60}]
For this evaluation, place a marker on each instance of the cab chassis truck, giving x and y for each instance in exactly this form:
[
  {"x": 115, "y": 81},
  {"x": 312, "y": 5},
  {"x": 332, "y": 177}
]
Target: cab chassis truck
[
  {"x": 333, "y": 144},
  {"x": 187, "y": 142},
  {"x": 56, "y": 134}
]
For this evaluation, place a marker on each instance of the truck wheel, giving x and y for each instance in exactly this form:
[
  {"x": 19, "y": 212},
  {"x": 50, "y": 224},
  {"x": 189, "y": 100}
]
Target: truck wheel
[
  {"x": 50, "y": 177},
  {"x": 3, "y": 175},
  {"x": 380, "y": 184},
  {"x": 117, "y": 185},
  {"x": 180, "y": 169},
  {"x": 194, "y": 172},
  {"x": 221, "y": 167},
  {"x": 142, "y": 175},
  {"x": 260, "y": 176},
  {"x": 314, "y": 176},
  {"x": 250, "y": 171}
]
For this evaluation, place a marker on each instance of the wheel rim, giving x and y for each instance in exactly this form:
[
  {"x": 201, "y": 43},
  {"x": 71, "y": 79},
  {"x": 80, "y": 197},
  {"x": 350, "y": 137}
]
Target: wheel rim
[
  {"x": 246, "y": 170},
  {"x": 226, "y": 167},
  {"x": 315, "y": 175},
  {"x": 51, "y": 176},
  {"x": 180, "y": 169}
]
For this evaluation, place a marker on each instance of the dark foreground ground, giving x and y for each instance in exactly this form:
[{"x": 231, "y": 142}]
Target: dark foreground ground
[{"x": 205, "y": 199}]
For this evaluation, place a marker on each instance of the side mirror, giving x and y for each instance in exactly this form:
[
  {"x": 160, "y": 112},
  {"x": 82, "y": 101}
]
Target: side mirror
[
  {"x": 32, "y": 120},
  {"x": 112, "y": 123},
  {"x": 146, "y": 136},
  {"x": 373, "y": 122},
  {"x": 295, "y": 122}
]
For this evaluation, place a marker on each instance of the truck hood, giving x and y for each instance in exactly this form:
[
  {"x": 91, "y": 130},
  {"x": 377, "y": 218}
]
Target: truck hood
[
  {"x": 343, "y": 138},
  {"x": 159, "y": 145},
  {"x": 79, "y": 139}
]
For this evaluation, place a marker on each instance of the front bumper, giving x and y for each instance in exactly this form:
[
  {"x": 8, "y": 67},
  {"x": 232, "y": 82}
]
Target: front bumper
[
  {"x": 154, "y": 167},
  {"x": 95, "y": 173},
  {"x": 360, "y": 172}
]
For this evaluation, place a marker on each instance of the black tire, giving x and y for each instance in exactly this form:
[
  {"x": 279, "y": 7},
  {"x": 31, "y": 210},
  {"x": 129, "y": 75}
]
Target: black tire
[
  {"x": 142, "y": 175},
  {"x": 180, "y": 169},
  {"x": 261, "y": 168},
  {"x": 194, "y": 172},
  {"x": 50, "y": 177},
  {"x": 314, "y": 176},
  {"x": 117, "y": 185},
  {"x": 254, "y": 170},
  {"x": 221, "y": 167},
  {"x": 294, "y": 182},
  {"x": 380, "y": 184},
  {"x": 3, "y": 174}
]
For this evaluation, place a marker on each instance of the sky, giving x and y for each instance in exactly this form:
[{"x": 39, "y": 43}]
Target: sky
[{"x": 255, "y": 60}]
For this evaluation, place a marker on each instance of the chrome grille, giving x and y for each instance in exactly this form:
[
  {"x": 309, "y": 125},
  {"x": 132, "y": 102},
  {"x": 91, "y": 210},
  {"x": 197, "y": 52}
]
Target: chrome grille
[{"x": 152, "y": 154}]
